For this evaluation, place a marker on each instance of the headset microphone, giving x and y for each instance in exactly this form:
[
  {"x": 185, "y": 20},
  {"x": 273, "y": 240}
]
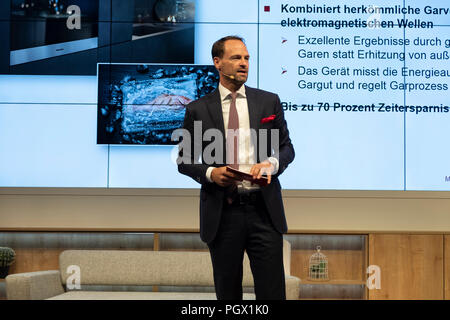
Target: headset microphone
[{"x": 230, "y": 76}]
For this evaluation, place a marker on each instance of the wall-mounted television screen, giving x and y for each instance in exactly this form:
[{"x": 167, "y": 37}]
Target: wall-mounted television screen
[{"x": 144, "y": 104}]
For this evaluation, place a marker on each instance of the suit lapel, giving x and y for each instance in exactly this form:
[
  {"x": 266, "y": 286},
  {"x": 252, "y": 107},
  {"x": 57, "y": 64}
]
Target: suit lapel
[
  {"x": 254, "y": 110},
  {"x": 214, "y": 106},
  {"x": 215, "y": 111},
  {"x": 254, "y": 114}
]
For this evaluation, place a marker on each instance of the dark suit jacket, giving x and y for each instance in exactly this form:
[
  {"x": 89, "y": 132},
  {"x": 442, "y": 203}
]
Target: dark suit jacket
[{"x": 208, "y": 109}]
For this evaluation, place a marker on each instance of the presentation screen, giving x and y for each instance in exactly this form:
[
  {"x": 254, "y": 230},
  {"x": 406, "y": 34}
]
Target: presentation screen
[{"x": 364, "y": 87}]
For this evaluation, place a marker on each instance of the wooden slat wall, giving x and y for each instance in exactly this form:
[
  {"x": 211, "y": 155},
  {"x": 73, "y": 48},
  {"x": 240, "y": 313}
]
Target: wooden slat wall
[{"x": 412, "y": 266}]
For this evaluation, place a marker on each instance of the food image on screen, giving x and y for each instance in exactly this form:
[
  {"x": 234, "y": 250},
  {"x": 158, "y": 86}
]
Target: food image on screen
[{"x": 144, "y": 104}]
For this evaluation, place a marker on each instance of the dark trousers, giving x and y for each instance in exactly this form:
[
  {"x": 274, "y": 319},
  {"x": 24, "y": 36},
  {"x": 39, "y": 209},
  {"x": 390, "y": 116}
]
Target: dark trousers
[{"x": 247, "y": 227}]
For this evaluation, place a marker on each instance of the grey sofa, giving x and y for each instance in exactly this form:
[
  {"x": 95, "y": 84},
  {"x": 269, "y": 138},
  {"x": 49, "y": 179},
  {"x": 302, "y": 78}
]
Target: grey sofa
[{"x": 119, "y": 269}]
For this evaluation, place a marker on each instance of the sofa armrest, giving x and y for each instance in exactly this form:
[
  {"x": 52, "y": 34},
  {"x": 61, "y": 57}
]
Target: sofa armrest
[
  {"x": 292, "y": 287},
  {"x": 287, "y": 257},
  {"x": 34, "y": 285}
]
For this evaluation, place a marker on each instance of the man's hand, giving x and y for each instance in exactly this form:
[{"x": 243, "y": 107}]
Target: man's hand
[
  {"x": 223, "y": 177},
  {"x": 264, "y": 167}
]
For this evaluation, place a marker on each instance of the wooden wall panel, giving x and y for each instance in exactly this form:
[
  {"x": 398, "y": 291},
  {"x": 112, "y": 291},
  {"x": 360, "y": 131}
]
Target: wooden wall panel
[
  {"x": 38, "y": 251},
  {"x": 35, "y": 259},
  {"x": 342, "y": 264},
  {"x": 411, "y": 266},
  {"x": 346, "y": 255},
  {"x": 447, "y": 267},
  {"x": 331, "y": 292}
]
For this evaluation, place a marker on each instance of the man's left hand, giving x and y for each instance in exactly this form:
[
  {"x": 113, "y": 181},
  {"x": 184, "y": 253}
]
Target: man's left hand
[{"x": 264, "y": 167}]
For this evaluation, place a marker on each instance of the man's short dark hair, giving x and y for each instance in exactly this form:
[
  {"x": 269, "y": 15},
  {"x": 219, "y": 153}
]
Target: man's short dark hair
[{"x": 218, "y": 47}]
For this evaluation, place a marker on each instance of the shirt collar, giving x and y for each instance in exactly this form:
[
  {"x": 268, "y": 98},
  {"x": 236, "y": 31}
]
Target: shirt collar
[{"x": 224, "y": 92}]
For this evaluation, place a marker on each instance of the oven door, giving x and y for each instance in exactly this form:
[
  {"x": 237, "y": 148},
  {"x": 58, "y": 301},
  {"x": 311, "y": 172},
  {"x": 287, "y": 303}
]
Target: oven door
[{"x": 42, "y": 29}]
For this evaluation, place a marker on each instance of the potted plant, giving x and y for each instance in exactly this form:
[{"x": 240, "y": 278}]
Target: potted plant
[{"x": 7, "y": 256}]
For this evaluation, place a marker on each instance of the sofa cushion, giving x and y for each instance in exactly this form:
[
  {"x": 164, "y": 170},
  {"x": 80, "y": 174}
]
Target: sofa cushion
[
  {"x": 165, "y": 268},
  {"x": 111, "y": 295},
  {"x": 123, "y": 267}
]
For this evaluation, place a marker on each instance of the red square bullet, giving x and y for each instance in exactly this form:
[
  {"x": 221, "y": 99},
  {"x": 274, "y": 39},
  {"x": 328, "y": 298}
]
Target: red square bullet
[{"x": 266, "y": 8}]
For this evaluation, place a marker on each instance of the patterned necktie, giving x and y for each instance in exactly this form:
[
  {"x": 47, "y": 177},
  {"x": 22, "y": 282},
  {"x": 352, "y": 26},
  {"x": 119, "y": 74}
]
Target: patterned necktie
[{"x": 233, "y": 136}]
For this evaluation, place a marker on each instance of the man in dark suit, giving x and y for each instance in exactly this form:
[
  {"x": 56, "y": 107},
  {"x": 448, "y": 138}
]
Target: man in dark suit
[{"x": 236, "y": 215}]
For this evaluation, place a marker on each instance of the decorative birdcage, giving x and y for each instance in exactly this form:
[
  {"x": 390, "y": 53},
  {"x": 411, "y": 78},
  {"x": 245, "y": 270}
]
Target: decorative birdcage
[{"x": 318, "y": 266}]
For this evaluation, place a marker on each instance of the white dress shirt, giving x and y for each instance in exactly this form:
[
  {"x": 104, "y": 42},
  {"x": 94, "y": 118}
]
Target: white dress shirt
[{"x": 247, "y": 155}]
